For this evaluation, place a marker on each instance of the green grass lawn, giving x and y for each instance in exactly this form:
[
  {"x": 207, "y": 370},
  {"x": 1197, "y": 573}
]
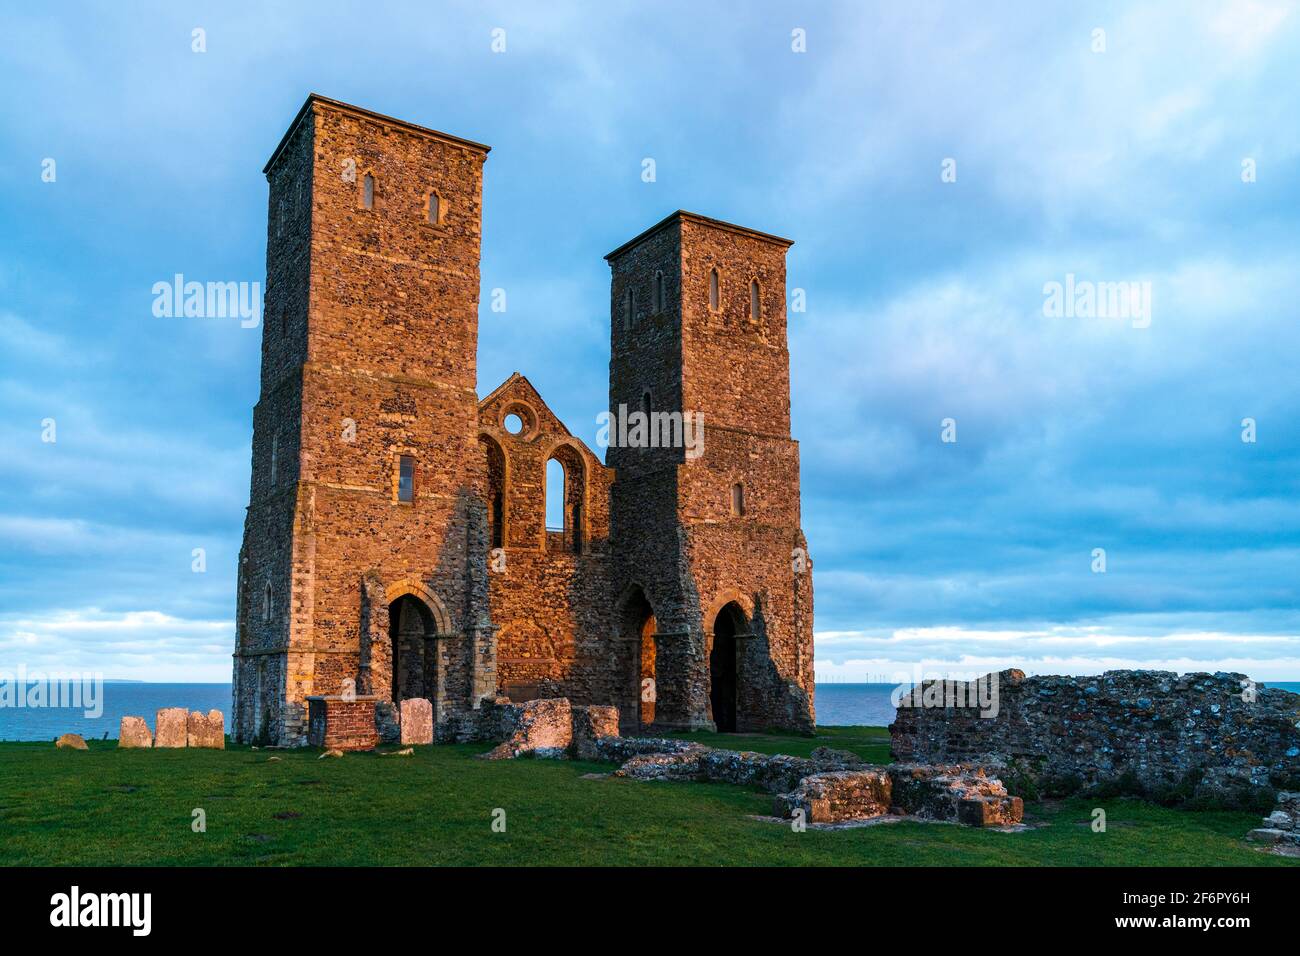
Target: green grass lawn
[{"x": 110, "y": 806}]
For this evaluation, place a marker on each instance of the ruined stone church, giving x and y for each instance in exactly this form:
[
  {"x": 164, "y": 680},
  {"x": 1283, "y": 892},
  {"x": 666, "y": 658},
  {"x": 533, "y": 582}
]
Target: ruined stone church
[{"x": 396, "y": 544}]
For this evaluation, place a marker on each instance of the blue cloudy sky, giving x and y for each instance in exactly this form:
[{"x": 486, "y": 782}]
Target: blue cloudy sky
[{"x": 925, "y": 298}]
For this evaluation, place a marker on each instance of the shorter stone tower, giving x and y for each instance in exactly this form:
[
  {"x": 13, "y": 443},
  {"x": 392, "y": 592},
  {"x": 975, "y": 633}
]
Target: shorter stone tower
[{"x": 705, "y": 510}]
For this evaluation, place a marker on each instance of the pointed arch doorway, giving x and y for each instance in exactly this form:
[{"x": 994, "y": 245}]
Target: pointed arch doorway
[{"x": 724, "y": 667}]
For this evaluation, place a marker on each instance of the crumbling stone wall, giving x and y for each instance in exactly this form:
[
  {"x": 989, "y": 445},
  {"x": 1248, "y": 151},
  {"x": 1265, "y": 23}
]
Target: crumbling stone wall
[
  {"x": 1210, "y": 734},
  {"x": 1282, "y": 825}
]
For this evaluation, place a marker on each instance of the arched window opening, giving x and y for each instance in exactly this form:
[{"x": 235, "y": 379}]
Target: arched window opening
[
  {"x": 496, "y": 491},
  {"x": 266, "y": 603},
  {"x": 755, "y": 306},
  {"x": 629, "y": 305},
  {"x": 435, "y": 209},
  {"x": 715, "y": 292},
  {"x": 406, "y": 478},
  {"x": 368, "y": 192},
  {"x": 554, "y": 495},
  {"x": 565, "y": 492},
  {"x": 738, "y": 499},
  {"x": 658, "y": 300}
]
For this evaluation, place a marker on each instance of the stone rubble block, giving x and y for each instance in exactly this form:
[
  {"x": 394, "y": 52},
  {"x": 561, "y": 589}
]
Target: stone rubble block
[
  {"x": 71, "y": 742},
  {"x": 838, "y": 795},
  {"x": 134, "y": 732},
  {"x": 545, "y": 724},
  {"x": 622, "y": 749},
  {"x": 591, "y": 724},
  {"x": 683, "y": 765},
  {"x": 1282, "y": 825}
]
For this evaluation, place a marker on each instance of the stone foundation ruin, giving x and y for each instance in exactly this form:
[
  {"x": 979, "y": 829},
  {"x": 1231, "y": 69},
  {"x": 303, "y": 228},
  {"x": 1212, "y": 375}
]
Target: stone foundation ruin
[
  {"x": 830, "y": 786},
  {"x": 1152, "y": 733}
]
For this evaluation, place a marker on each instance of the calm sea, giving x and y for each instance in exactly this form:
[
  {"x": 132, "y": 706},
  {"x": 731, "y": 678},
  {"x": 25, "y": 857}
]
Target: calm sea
[
  {"x": 119, "y": 700},
  {"x": 837, "y": 705}
]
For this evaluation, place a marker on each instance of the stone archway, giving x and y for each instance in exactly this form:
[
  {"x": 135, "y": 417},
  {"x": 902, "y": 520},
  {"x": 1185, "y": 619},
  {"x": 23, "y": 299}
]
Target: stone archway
[
  {"x": 639, "y": 629},
  {"x": 412, "y": 633},
  {"x": 407, "y": 615}
]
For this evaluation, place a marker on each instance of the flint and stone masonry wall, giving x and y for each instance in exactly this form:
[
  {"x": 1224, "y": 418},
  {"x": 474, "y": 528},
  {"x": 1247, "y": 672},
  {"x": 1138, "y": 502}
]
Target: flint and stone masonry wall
[
  {"x": 1212, "y": 733},
  {"x": 667, "y": 593}
]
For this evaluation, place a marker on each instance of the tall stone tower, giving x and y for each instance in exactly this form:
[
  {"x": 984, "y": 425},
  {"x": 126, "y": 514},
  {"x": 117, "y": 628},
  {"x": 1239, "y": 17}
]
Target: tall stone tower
[
  {"x": 707, "y": 537},
  {"x": 363, "y": 562}
]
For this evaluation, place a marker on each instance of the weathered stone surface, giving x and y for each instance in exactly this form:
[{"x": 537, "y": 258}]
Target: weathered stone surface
[
  {"x": 71, "y": 742},
  {"x": 1282, "y": 825},
  {"x": 134, "y": 732},
  {"x": 679, "y": 590},
  {"x": 171, "y": 727},
  {"x": 838, "y": 795},
  {"x": 541, "y": 727},
  {"x": 938, "y": 792},
  {"x": 206, "y": 730},
  {"x": 684, "y": 765},
  {"x": 590, "y": 724},
  {"x": 417, "y": 721},
  {"x": 1213, "y": 734}
]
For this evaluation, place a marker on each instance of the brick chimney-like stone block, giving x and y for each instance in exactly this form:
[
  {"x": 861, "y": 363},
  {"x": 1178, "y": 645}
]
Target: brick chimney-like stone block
[{"x": 338, "y": 723}]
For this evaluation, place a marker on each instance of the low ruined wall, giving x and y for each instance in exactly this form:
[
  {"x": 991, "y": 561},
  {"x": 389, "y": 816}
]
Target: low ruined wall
[{"x": 1210, "y": 734}]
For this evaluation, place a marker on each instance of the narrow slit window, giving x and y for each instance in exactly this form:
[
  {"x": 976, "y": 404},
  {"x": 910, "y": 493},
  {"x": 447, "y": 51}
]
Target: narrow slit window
[
  {"x": 435, "y": 209},
  {"x": 627, "y": 309},
  {"x": 555, "y": 496},
  {"x": 266, "y": 603},
  {"x": 498, "y": 513},
  {"x": 406, "y": 478},
  {"x": 368, "y": 192},
  {"x": 737, "y": 499},
  {"x": 714, "y": 293},
  {"x": 755, "y": 306}
]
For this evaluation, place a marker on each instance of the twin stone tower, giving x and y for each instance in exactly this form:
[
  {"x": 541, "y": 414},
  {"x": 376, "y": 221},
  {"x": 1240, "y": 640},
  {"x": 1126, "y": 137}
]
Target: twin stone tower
[{"x": 396, "y": 541}]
